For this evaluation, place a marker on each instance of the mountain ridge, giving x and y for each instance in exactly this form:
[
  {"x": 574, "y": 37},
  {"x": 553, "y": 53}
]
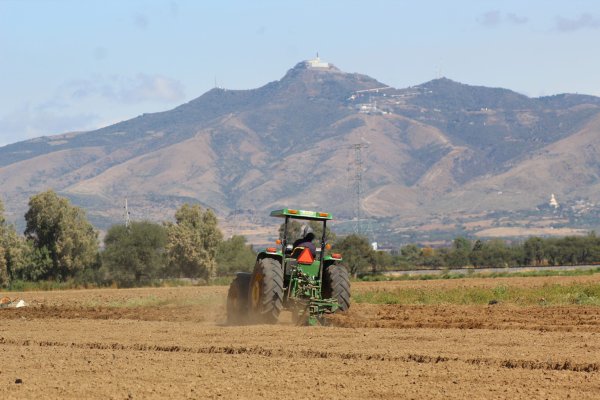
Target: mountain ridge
[{"x": 290, "y": 142}]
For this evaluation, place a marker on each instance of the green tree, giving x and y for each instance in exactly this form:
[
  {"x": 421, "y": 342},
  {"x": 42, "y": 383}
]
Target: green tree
[
  {"x": 551, "y": 251},
  {"x": 516, "y": 253},
  {"x": 235, "y": 255},
  {"x": 135, "y": 254},
  {"x": 431, "y": 258},
  {"x": 381, "y": 261},
  {"x": 593, "y": 244},
  {"x": 411, "y": 253},
  {"x": 4, "y": 276},
  {"x": 459, "y": 255},
  {"x": 496, "y": 254},
  {"x": 53, "y": 223},
  {"x": 477, "y": 257},
  {"x": 35, "y": 265},
  {"x": 534, "y": 249},
  {"x": 192, "y": 242},
  {"x": 4, "y": 272},
  {"x": 356, "y": 251},
  {"x": 15, "y": 252},
  {"x": 19, "y": 259},
  {"x": 2, "y": 219},
  {"x": 566, "y": 251}
]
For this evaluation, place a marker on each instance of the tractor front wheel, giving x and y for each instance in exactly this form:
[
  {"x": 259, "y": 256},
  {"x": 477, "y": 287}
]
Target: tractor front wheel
[
  {"x": 265, "y": 296},
  {"x": 336, "y": 285}
]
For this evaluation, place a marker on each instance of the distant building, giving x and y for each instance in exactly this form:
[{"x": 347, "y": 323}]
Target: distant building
[
  {"x": 553, "y": 202},
  {"x": 317, "y": 63},
  {"x": 367, "y": 108}
]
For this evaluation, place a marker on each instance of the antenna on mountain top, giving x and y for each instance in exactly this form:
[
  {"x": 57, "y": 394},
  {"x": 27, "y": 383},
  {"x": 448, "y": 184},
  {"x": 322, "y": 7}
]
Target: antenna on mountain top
[
  {"x": 438, "y": 72},
  {"x": 127, "y": 220}
]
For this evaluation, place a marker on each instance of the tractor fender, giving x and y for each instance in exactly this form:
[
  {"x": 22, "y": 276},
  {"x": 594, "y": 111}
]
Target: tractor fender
[
  {"x": 329, "y": 260},
  {"x": 275, "y": 256}
]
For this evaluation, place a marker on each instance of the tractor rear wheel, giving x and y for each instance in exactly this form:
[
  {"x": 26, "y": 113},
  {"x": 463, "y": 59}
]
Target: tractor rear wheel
[
  {"x": 237, "y": 299},
  {"x": 265, "y": 297},
  {"x": 336, "y": 285}
]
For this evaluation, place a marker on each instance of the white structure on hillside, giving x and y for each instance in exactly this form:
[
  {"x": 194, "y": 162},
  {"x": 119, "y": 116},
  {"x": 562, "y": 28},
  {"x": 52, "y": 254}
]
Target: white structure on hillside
[
  {"x": 317, "y": 63},
  {"x": 553, "y": 202}
]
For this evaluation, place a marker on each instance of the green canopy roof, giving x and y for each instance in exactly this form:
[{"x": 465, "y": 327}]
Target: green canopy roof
[{"x": 301, "y": 214}]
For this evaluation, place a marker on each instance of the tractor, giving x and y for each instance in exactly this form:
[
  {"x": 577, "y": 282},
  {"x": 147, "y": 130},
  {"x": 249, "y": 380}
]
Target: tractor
[{"x": 288, "y": 278}]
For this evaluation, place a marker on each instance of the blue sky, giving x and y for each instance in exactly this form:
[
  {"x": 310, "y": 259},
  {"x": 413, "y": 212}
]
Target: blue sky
[{"x": 71, "y": 65}]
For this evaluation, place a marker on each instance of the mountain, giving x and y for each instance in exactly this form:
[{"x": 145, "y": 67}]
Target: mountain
[{"x": 441, "y": 156}]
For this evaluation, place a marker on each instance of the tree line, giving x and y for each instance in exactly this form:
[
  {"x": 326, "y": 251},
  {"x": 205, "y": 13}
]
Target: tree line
[
  {"x": 465, "y": 253},
  {"x": 361, "y": 258},
  {"x": 60, "y": 244}
]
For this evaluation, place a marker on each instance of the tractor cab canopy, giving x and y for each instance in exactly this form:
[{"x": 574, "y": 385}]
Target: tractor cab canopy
[
  {"x": 302, "y": 214},
  {"x": 290, "y": 213}
]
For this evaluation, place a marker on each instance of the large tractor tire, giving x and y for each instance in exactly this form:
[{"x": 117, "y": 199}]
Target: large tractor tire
[
  {"x": 336, "y": 285},
  {"x": 265, "y": 297},
  {"x": 237, "y": 299}
]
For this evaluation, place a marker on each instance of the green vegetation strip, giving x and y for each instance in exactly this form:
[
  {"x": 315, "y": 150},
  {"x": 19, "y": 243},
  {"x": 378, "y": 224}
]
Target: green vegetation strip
[
  {"x": 547, "y": 295},
  {"x": 473, "y": 274}
]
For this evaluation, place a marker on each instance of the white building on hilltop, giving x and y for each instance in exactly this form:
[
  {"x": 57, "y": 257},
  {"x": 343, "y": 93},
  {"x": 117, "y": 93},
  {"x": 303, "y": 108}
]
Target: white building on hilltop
[{"x": 317, "y": 63}]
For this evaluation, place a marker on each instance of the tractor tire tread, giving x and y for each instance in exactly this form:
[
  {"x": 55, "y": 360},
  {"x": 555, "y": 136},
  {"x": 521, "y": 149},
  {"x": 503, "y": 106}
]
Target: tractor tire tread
[
  {"x": 272, "y": 290},
  {"x": 337, "y": 285}
]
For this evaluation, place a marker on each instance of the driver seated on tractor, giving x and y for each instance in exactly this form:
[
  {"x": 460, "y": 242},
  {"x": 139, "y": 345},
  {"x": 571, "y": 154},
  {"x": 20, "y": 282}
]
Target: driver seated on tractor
[{"x": 306, "y": 240}]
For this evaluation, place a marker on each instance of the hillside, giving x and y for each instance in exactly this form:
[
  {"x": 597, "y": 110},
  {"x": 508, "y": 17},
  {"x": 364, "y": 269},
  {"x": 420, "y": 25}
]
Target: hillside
[{"x": 439, "y": 156}]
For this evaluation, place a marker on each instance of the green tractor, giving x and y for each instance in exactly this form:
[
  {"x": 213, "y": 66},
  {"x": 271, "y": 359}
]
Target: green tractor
[{"x": 292, "y": 279}]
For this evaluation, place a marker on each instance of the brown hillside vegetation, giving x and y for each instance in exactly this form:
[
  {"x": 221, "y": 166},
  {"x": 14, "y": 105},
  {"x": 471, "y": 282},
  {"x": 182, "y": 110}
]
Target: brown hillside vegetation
[
  {"x": 567, "y": 166},
  {"x": 440, "y": 149}
]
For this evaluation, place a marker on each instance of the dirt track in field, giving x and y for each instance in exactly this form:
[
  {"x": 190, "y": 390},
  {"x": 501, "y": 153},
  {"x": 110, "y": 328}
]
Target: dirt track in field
[{"x": 172, "y": 342}]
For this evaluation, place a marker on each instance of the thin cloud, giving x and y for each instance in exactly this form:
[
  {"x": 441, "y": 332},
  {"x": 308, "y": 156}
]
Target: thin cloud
[
  {"x": 151, "y": 88},
  {"x": 140, "y": 21},
  {"x": 30, "y": 122},
  {"x": 100, "y": 53},
  {"x": 138, "y": 89},
  {"x": 174, "y": 8},
  {"x": 491, "y": 18},
  {"x": 495, "y": 18},
  {"x": 62, "y": 112},
  {"x": 515, "y": 19},
  {"x": 584, "y": 21}
]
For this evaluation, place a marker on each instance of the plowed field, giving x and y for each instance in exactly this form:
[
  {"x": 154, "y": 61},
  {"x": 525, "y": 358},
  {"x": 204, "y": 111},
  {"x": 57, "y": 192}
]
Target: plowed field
[{"x": 173, "y": 343}]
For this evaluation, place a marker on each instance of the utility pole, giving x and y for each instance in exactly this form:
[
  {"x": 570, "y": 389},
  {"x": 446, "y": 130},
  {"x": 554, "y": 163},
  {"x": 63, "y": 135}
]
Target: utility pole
[
  {"x": 358, "y": 170},
  {"x": 127, "y": 220}
]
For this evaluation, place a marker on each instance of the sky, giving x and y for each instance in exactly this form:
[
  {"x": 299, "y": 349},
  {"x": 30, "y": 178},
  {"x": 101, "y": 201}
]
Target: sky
[{"x": 72, "y": 65}]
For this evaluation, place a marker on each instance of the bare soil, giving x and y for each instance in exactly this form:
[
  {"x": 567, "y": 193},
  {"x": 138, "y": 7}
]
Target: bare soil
[{"x": 173, "y": 342}]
